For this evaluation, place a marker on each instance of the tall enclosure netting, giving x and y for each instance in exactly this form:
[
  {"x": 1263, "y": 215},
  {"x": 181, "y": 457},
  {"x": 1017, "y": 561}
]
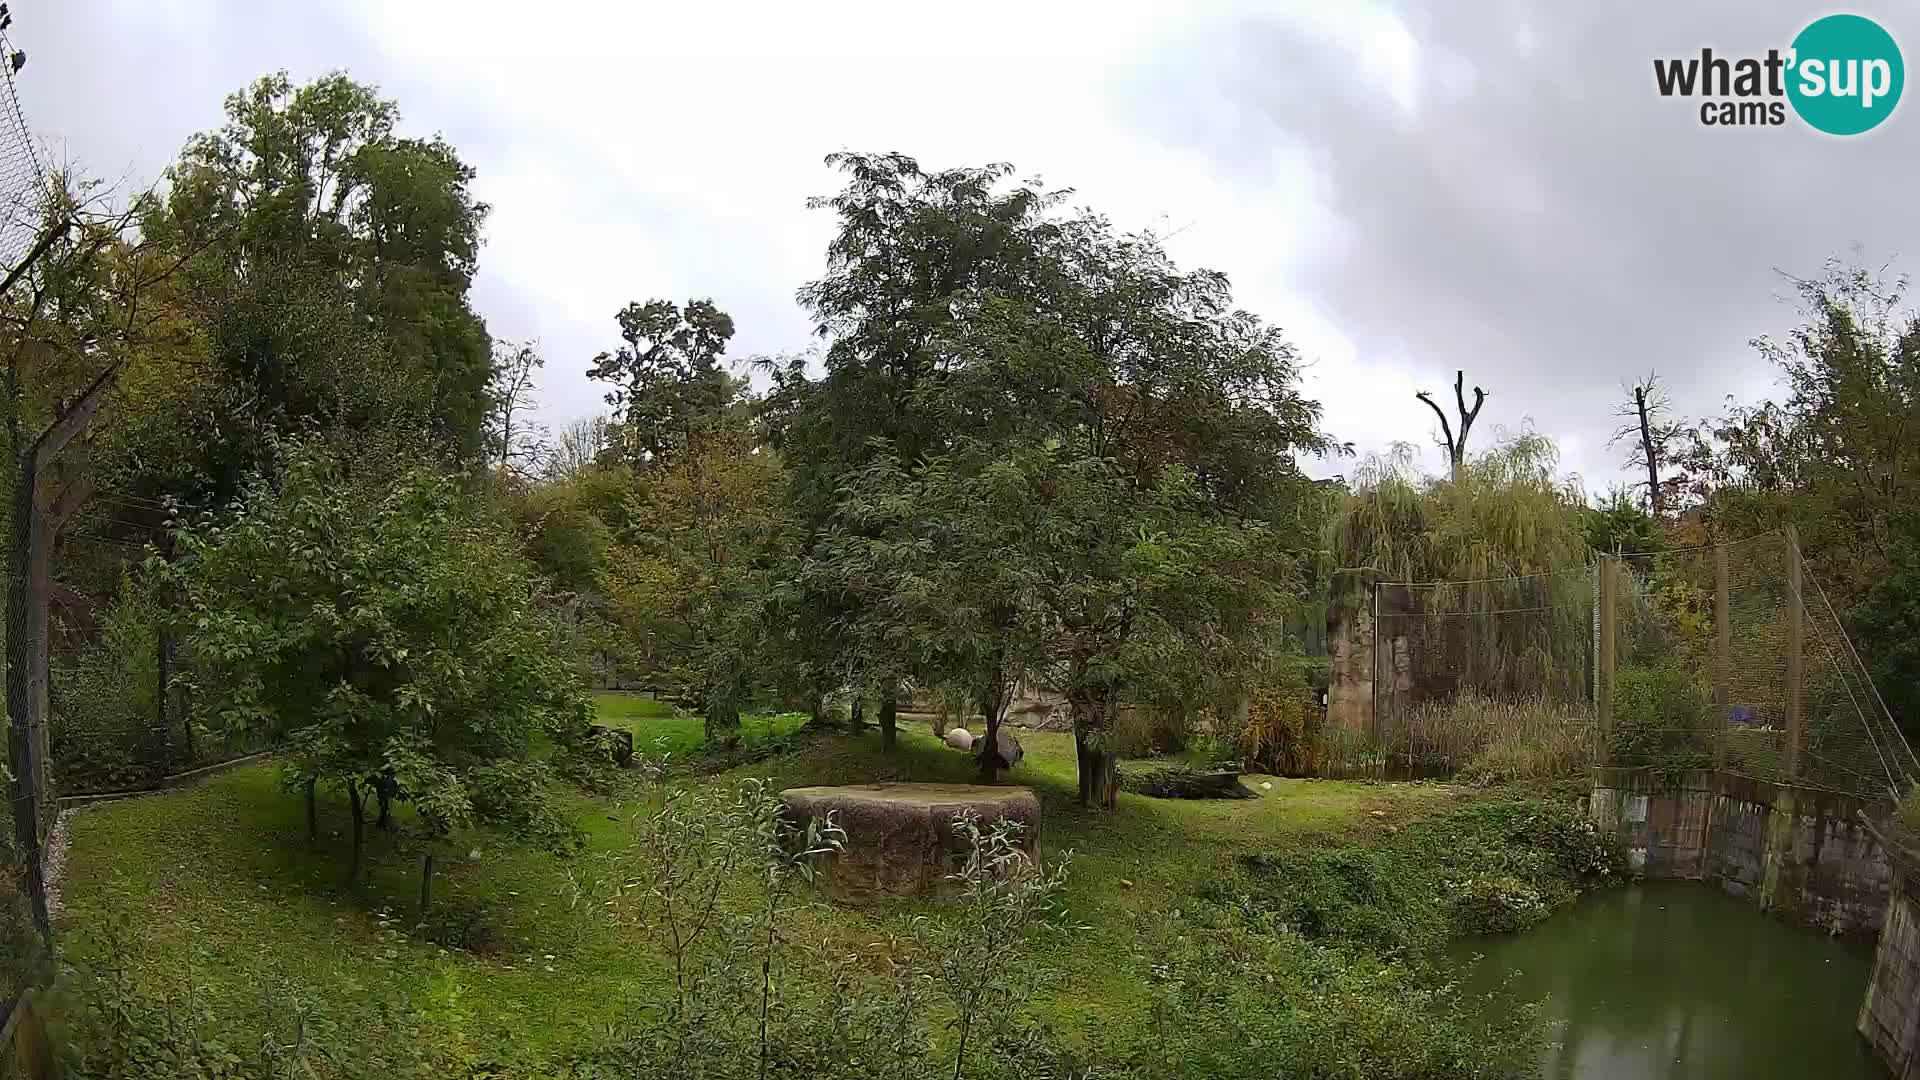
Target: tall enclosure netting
[
  {"x": 1729, "y": 657},
  {"x": 23, "y": 184},
  {"x": 1489, "y": 669},
  {"x": 22, "y": 199}
]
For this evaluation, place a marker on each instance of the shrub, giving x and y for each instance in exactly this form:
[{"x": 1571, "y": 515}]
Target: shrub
[
  {"x": 1661, "y": 720},
  {"x": 1529, "y": 737},
  {"x": 1907, "y": 814},
  {"x": 1282, "y": 731},
  {"x": 1498, "y": 904},
  {"x": 1485, "y": 866}
]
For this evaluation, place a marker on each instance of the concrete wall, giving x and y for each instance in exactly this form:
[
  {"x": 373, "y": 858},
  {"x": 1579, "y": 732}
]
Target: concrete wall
[
  {"x": 1350, "y": 686},
  {"x": 1890, "y": 1015},
  {"x": 1806, "y": 854}
]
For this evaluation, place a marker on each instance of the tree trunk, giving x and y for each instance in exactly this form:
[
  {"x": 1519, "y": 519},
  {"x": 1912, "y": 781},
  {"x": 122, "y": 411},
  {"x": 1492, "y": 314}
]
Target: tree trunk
[
  {"x": 817, "y": 716},
  {"x": 1098, "y": 765},
  {"x": 722, "y": 721},
  {"x": 991, "y": 705},
  {"x": 889, "y": 706},
  {"x": 358, "y": 801},
  {"x": 426, "y": 882},
  {"x": 857, "y": 713},
  {"x": 385, "y": 790},
  {"x": 313, "y": 811},
  {"x": 1649, "y": 451}
]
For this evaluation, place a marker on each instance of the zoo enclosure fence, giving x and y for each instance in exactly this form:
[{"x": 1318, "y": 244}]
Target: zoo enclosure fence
[{"x": 1728, "y": 656}]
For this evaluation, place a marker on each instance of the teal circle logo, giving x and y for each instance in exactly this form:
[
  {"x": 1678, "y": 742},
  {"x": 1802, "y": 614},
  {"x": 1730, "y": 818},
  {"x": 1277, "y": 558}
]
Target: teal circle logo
[{"x": 1845, "y": 75}]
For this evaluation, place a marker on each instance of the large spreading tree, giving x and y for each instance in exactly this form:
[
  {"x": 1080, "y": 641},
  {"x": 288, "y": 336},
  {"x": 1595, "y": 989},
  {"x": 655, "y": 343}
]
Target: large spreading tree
[{"x": 1042, "y": 450}]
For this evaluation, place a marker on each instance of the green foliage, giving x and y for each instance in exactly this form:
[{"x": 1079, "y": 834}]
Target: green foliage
[
  {"x": 1485, "y": 867},
  {"x": 1661, "y": 720},
  {"x": 1087, "y": 470},
  {"x": 1887, "y": 624},
  {"x": 384, "y": 631},
  {"x": 1620, "y": 524},
  {"x": 327, "y": 266},
  {"x": 707, "y": 536},
  {"x": 1282, "y": 731},
  {"x": 115, "y": 1028},
  {"x": 107, "y": 741},
  {"x": 1510, "y": 534},
  {"x": 1524, "y": 738},
  {"x": 669, "y": 386},
  {"x": 1837, "y": 458}
]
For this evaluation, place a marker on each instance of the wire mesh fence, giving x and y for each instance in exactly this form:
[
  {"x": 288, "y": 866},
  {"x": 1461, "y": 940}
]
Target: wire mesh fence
[
  {"x": 1463, "y": 670},
  {"x": 23, "y": 183},
  {"x": 1721, "y": 657}
]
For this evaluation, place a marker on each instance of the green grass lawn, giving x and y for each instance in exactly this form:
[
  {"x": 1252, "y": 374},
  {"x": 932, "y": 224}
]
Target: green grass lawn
[
  {"x": 217, "y": 887},
  {"x": 659, "y": 726}
]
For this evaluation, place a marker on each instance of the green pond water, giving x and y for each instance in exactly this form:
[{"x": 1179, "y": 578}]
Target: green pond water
[{"x": 1678, "y": 980}]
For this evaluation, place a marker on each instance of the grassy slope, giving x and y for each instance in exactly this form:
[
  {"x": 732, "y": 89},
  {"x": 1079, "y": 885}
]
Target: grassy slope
[{"x": 220, "y": 880}]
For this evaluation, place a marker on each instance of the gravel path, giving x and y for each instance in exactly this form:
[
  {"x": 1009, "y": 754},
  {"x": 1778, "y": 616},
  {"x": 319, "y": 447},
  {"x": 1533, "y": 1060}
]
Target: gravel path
[{"x": 55, "y": 856}]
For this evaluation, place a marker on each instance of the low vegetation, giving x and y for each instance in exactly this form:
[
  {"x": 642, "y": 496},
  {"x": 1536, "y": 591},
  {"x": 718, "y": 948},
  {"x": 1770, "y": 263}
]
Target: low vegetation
[{"x": 246, "y": 939}]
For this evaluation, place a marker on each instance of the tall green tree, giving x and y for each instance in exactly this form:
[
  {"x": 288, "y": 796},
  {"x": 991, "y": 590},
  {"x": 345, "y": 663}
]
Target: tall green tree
[
  {"x": 670, "y": 385},
  {"x": 330, "y": 287},
  {"x": 708, "y": 535},
  {"x": 1838, "y": 457},
  {"x": 914, "y": 254},
  {"x": 1105, "y": 471}
]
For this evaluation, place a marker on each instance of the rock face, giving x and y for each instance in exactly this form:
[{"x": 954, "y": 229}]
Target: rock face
[
  {"x": 901, "y": 839},
  {"x": 1007, "y": 748},
  {"x": 959, "y": 738}
]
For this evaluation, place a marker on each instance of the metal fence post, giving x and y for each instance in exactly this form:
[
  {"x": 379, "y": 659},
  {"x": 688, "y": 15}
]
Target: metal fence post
[
  {"x": 1604, "y": 662},
  {"x": 1796, "y": 674},
  {"x": 1722, "y": 653}
]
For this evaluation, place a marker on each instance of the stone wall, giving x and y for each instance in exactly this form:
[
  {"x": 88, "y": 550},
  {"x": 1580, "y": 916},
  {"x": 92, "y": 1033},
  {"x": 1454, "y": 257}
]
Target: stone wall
[
  {"x": 1805, "y": 854},
  {"x": 1350, "y": 685},
  {"x": 1890, "y": 1014}
]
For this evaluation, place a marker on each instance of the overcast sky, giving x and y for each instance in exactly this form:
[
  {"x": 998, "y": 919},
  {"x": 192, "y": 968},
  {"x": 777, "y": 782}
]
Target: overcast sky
[{"x": 1405, "y": 188}]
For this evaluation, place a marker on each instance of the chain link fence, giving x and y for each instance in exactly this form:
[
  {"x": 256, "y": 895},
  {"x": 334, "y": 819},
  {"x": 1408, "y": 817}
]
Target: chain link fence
[
  {"x": 1729, "y": 657},
  {"x": 1462, "y": 671},
  {"x": 1723, "y": 657}
]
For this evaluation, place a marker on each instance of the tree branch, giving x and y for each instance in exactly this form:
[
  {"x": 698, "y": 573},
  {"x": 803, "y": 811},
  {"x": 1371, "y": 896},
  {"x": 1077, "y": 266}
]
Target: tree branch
[{"x": 1446, "y": 429}]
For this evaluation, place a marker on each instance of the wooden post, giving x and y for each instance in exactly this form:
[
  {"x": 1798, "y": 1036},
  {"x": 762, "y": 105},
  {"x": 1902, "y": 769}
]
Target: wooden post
[
  {"x": 426, "y": 883},
  {"x": 1796, "y": 675},
  {"x": 1722, "y": 654},
  {"x": 1603, "y": 686}
]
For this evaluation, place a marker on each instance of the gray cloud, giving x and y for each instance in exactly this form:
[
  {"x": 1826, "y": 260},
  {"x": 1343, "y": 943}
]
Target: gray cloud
[
  {"x": 1539, "y": 217},
  {"x": 1542, "y": 218}
]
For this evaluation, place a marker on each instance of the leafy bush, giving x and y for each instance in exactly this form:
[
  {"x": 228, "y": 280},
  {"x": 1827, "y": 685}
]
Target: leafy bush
[
  {"x": 1661, "y": 720},
  {"x": 1486, "y": 866},
  {"x": 1498, "y": 904},
  {"x": 1282, "y": 731},
  {"x": 1907, "y": 814}
]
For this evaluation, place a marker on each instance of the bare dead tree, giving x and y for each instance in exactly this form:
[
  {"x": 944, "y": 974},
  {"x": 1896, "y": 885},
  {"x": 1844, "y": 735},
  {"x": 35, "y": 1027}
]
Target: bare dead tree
[
  {"x": 1456, "y": 447},
  {"x": 1648, "y": 428},
  {"x": 580, "y": 445},
  {"x": 520, "y": 445}
]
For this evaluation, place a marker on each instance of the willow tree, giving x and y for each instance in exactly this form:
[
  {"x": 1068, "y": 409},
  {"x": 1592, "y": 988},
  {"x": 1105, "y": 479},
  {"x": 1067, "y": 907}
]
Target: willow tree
[{"x": 1499, "y": 557}]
